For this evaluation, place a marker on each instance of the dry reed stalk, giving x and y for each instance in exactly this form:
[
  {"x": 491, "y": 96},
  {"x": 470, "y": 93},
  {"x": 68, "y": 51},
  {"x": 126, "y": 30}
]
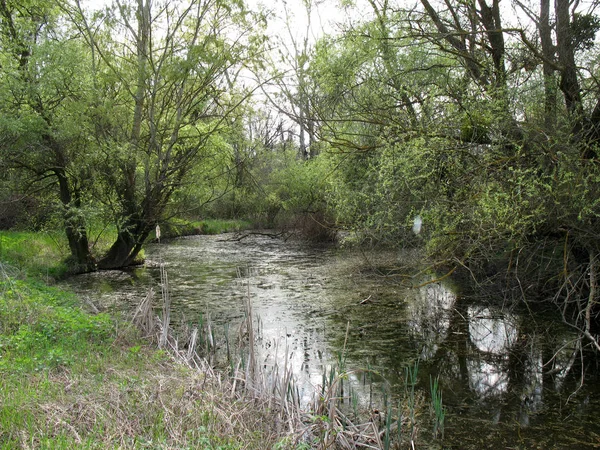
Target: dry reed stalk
[
  {"x": 143, "y": 317},
  {"x": 166, "y": 297},
  {"x": 192, "y": 344},
  {"x": 251, "y": 367},
  {"x": 276, "y": 392}
]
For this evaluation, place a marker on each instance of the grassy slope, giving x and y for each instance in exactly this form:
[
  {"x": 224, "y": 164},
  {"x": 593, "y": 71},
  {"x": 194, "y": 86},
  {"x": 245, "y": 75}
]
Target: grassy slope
[{"x": 69, "y": 379}]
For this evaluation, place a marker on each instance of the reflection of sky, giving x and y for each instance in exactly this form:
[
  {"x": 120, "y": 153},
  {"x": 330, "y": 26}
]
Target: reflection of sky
[
  {"x": 429, "y": 317},
  {"x": 487, "y": 378},
  {"x": 492, "y": 332}
]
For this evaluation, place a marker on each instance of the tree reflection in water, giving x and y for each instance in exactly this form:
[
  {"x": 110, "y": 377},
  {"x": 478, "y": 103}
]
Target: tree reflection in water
[{"x": 497, "y": 367}]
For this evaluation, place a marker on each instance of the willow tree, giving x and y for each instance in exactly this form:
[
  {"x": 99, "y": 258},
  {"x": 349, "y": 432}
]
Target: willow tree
[
  {"x": 44, "y": 94},
  {"x": 160, "y": 71}
]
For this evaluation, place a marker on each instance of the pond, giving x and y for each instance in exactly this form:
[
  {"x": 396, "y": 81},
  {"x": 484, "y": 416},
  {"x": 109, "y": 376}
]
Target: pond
[{"x": 509, "y": 378}]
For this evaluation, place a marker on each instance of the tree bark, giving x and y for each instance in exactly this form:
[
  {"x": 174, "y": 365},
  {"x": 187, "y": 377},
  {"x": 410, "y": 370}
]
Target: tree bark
[
  {"x": 569, "y": 82},
  {"x": 70, "y": 197},
  {"x": 548, "y": 54},
  {"x": 127, "y": 246},
  {"x": 131, "y": 234},
  {"x": 490, "y": 18},
  {"x": 74, "y": 225}
]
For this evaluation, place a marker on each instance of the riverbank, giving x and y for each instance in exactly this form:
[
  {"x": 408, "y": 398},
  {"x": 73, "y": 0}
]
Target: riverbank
[
  {"x": 45, "y": 254},
  {"x": 73, "y": 379}
]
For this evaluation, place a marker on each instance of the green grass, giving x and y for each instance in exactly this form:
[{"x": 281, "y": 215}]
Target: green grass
[
  {"x": 44, "y": 254},
  {"x": 40, "y": 254},
  {"x": 217, "y": 226},
  {"x": 69, "y": 379},
  {"x": 43, "y": 329}
]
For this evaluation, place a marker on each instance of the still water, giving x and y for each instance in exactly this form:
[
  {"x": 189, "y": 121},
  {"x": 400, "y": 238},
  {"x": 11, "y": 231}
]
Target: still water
[{"x": 509, "y": 379}]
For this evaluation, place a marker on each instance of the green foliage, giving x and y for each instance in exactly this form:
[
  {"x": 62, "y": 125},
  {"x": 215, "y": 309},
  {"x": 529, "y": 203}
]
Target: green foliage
[
  {"x": 215, "y": 226},
  {"x": 478, "y": 143},
  {"x": 272, "y": 187},
  {"x": 180, "y": 227},
  {"x": 116, "y": 127},
  {"x": 584, "y": 28}
]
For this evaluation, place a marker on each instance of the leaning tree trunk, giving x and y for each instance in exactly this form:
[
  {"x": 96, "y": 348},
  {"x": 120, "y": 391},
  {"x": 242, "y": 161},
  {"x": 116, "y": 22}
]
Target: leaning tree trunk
[
  {"x": 569, "y": 82},
  {"x": 132, "y": 234},
  {"x": 548, "y": 53},
  {"x": 127, "y": 246}
]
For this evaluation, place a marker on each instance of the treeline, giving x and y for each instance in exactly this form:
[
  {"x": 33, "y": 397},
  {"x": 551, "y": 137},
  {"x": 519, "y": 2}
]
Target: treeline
[
  {"x": 125, "y": 116},
  {"x": 480, "y": 118}
]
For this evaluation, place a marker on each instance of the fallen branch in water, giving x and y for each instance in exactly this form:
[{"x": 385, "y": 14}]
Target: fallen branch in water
[
  {"x": 254, "y": 233},
  {"x": 436, "y": 280}
]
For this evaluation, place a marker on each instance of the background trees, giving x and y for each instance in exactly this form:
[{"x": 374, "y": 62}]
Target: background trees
[
  {"x": 483, "y": 124},
  {"x": 113, "y": 109},
  {"x": 45, "y": 92},
  {"x": 174, "y": 98}
]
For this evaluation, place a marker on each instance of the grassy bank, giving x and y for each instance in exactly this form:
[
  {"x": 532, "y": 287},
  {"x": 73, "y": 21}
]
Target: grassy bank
[
  {"x": 39, "y": 254},
  {"x": 71, "y": 379},
  {"x": 43, "y": 254}
]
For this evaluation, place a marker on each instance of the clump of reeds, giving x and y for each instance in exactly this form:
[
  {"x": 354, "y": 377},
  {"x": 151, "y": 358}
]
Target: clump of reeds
[
  {"x": 143, "y": 317},
  {"x": 437, "y": 408},
  {"x": 166, "y": 306}
]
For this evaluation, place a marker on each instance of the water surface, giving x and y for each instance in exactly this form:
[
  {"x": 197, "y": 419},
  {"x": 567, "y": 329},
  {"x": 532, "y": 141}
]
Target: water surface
[{"x": 509, "y": 379}]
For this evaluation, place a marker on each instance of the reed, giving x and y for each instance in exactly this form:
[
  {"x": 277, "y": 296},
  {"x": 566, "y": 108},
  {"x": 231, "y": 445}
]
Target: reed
[
  {"x": 143, "y": 316},
  {"x": 437, "y": 407},
  {"x": 388, "y": 425},
  {"x": 166, "y": 306},
  {"x": 410, "y": 383}
]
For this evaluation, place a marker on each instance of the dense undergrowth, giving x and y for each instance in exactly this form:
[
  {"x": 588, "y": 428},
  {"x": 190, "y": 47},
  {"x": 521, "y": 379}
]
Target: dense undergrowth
[{"x": 181, "y": 227}]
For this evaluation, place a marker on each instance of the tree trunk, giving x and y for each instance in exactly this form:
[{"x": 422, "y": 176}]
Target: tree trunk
[
  {"x": 548, "y": 54},
  {"x": 74, "y": 226},
  {"x": 490, "y": 18},
  {"x": 127, "y": 246},
  {"x": 569, "y": 82},
  {"x": 132, "y": 234},
  {"x": 71, "y": 200}
]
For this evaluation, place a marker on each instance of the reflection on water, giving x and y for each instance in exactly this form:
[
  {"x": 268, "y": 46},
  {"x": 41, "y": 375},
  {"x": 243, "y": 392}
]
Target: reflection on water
[
  {"x": 505, "y": 378},
  {"x": 429, "y": 317}
]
